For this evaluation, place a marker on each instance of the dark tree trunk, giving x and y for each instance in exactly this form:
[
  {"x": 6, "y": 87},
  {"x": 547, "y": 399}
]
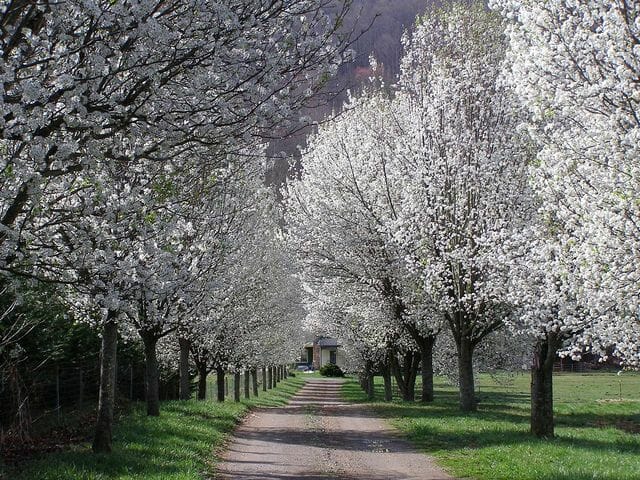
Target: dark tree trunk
[
  {"x": 274, "y": 376},
  {"x": 386, "y": 376},
  {"x": 426, "y": 357},
  {"x": 468, "y": 402},
  {"x": 406, "y": 373},
  {"x": 254, "y": 381},
  {"x": 247, "y": 384},
  {"x": 151, "y": 373},
  {"x": 185, "y": 379},
  {"x": 366, "y": 380},
  {"x": 370, "y": 387},
  {"x": 108, "y": 355},
  {"x": 236, "y": 386},
  {"x": 202, "y": 380},
  {"x": 269, "y": 378},
  {"x": 285, "y": 371},
  {"x": 542, "y": 386},
  {"x": 264, "y": 379},
  {"x": 220, "y": 383}
]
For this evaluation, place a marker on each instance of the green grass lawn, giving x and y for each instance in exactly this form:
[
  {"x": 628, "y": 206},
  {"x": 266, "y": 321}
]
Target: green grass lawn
[
  {"x": 179, "y": 445},
  {"x": 597, "y": 428}
]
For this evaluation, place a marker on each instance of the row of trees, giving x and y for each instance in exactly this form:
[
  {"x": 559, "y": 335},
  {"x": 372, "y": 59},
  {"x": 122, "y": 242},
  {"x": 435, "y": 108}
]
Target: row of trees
[
  {"x": 131, "y": 172},
  {"x": 483, "y": 190}
]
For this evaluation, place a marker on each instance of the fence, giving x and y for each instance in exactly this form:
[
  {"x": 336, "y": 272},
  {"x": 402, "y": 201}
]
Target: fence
[
  {"x": 35, "y": 402},
  {"x": 39, "y": 397}
]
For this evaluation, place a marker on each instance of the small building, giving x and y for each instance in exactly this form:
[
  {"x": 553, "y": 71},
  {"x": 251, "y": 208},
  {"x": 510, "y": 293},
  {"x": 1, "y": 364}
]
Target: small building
[{"x": 323, "y": 350}]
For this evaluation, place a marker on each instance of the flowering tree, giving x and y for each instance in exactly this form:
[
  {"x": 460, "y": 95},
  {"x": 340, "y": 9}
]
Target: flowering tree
[
  {"x": 353, "y": 313},
  {"x": 103, "y": 94},
  {"x": 463, "y": 167},
  {"x": 576, "y": 65},
  {"x": 91, "y": 82},
  {"x": 251, "y": 313},
  {"x": 342, "y": 215},
  {"x": 546, "y": 313}
]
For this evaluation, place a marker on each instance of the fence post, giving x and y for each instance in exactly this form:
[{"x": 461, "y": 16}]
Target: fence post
[
  {"x": 58, "y": 392},
  {"x": 80, "y": 388}
]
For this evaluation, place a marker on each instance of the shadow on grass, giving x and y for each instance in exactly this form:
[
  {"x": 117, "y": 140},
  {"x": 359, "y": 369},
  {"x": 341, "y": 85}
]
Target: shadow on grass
[
  {"x": 500, "y": 406},
  {"x": 164, "y": 447},
  {"x": 432, "y": 438},
  {"x": 502, "y": 419},
  {"x": 177, "y": 445}
]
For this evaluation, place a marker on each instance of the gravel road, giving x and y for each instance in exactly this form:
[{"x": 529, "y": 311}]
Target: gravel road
[{"x": 317, "y": 436}]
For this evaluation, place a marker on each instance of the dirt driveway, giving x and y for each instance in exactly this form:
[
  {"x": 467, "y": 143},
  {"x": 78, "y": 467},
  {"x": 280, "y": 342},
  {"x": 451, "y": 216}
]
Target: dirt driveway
[{"x": 317, "y": 436}]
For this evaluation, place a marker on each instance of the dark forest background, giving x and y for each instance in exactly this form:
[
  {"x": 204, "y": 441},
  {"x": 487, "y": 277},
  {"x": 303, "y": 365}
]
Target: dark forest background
[{"x": 377, "y": 27}]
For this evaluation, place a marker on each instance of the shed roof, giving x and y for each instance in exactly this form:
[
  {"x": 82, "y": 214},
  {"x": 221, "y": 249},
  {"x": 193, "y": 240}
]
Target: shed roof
[{"x": 328, "y": 342}]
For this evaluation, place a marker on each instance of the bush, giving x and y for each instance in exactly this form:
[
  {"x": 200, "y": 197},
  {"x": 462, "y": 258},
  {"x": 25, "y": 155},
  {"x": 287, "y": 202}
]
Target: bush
[{"x": 331, "y": 370}]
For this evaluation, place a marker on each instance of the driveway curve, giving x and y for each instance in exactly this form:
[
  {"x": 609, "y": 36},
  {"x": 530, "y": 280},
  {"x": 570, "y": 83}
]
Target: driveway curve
[{"x": 317, "y": 436}]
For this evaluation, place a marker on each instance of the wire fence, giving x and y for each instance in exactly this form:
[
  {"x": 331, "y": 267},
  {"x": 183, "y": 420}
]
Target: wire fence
[
  {"x": 34, "y": 400},
  {"x": 31, "y": 398}
]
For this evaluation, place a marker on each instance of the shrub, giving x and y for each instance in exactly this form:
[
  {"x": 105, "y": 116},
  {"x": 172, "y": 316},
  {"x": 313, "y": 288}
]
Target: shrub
[{"x": 331, "y": 370}]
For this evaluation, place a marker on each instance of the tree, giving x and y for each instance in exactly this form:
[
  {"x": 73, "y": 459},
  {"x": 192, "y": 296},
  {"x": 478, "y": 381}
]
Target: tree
[
  {"x": 463, "y": 165},
  {"x": 351, "y": 312},
  {"x": 104, "y": 87},
  {"x": 546, "y": 310},
  {"x": 575, "y": 66},
  {"x": 90, "y": 83},
  {"x": 342, "y": 214}
]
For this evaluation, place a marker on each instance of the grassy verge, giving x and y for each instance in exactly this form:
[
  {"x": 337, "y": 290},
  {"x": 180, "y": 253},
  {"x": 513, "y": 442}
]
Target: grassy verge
[
  {"x": 179, "y": 445},
  {"x": 597, "y": 419}
]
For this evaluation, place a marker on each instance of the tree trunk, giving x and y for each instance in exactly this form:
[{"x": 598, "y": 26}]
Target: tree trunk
[
  {"x": 285, "y": 371},
  {"x": 264, "y": 379},
  {"x": 362, "y": 378},
  {"x": 370, "y": 387},
  {"x": 274, "y": 376},
  {"x": 468, "y": 402},
  {"x": 185, "y": 379},
  {"x": 269, "y": 378},
  {"x": 236, "y": 386},
  {"x": 151, "y": 373},
  {"x": 426, "y": 357},
  {"x": 386, "y": 376},
  {"x": 108, "y": 354},
  {"x": 220, "y": 383},
  {"x": 254, "y": 379},
  {"x": 202, "y": 381},
  {"x": 406, "y": 373},
  {"x": 247, "y": 384},
  {"x": 542, "y": 386}
]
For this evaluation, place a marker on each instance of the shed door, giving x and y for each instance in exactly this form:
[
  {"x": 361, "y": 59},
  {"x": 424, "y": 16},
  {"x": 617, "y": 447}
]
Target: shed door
[{"x": 332, "y": 357}]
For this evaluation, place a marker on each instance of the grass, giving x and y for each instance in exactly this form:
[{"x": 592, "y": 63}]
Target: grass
[
  {"x": 179, "y": 445},
  {"x": 597, "y": 428}
]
